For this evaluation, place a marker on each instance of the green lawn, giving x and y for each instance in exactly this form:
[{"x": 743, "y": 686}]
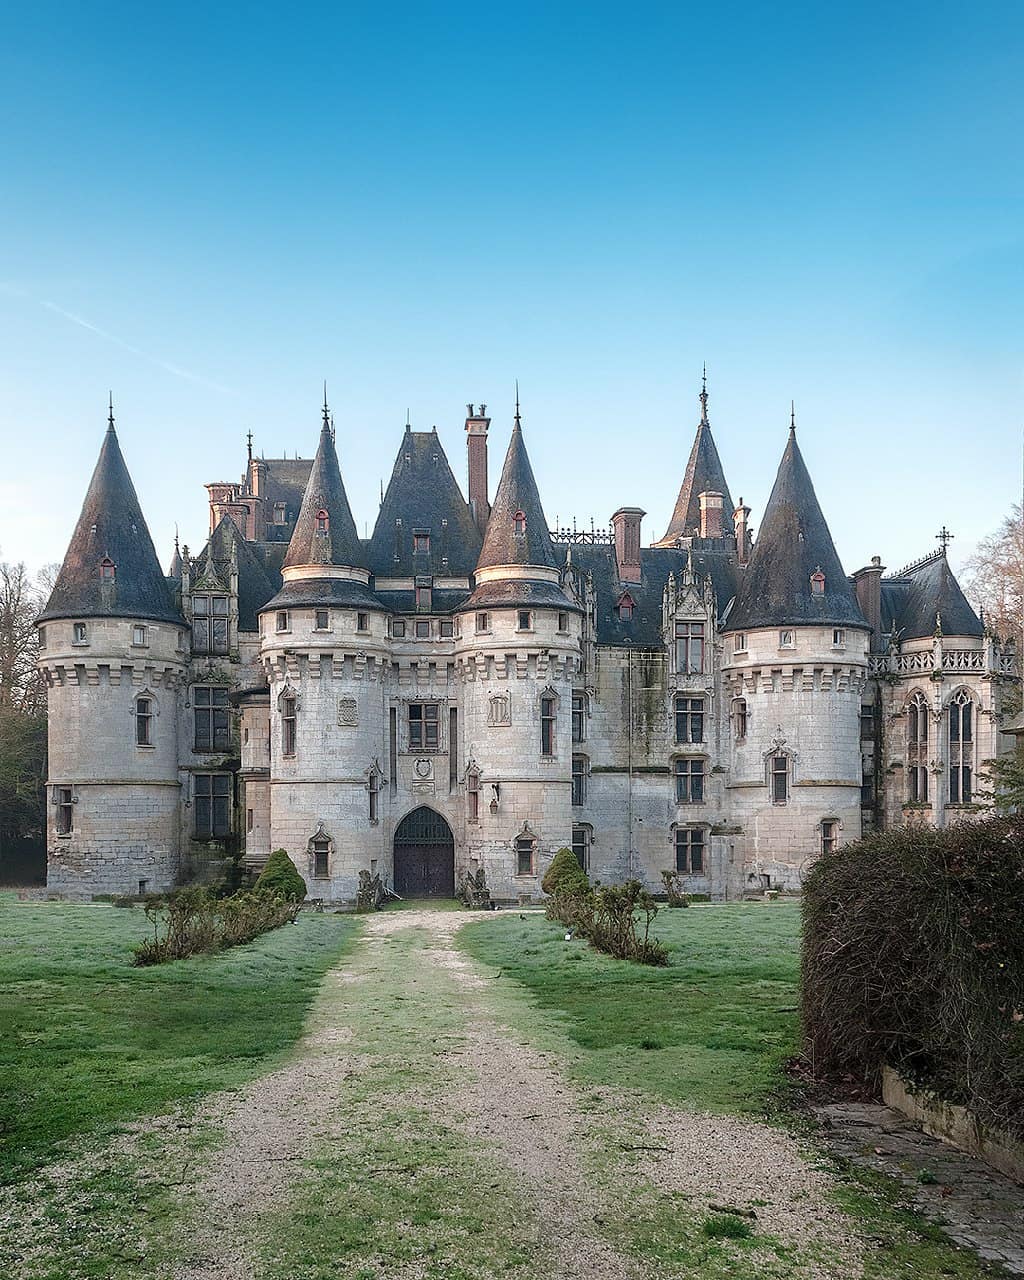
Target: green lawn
[
  {"x": 712, "y": 1029},
  {"x": 86, "y": 1040}
]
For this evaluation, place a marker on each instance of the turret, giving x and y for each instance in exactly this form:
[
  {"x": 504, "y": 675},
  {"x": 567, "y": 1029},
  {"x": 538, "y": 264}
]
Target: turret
[
  {"x": 112, "y": 651},
  {"x": 518, "y": 652},
  {"x": 796, "y": 666},
  {"x": 323, "y": 645},
  {"x": 704, "y": 494}
]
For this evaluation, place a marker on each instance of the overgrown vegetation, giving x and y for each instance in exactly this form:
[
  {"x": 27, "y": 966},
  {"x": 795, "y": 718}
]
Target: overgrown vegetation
[
  {"x": 914, "y": 957},
  {"x": 86, "y": 1040},
  {"x": 194, "y": 921},
  {"x": 615, "y": 918},
  {"x": 281, "y": 876},
  {"x": 565, "y": 873}
]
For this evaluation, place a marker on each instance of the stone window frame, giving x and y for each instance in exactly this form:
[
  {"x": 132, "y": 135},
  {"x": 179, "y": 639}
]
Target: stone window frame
[
  {"x": 548, "y": 723},
  {"x": 446, "y": 628},
  {"x": 143, "y": 720},
  {"x": 398, "y": 629},
  {"x": 422, "y": 747},
  {"x": 209, "y": 619},
  {"x": 774, "y": 773},
  {"x": 688, "y": 830},
  {"x": 65, "y": 808},
  {"x": 684, "y": 634},
  {"x": 525, "y": 842},
  {"x": 210, "y": 709},
  {"x": 580, "y": 776},
  {"x": 961, "y": 711},
  {"x": 739, "y": 642},
  {"x": 740, "y": 711},
  {"x": 213, "y": 775},
  {"x": 585, "y": 830},
  {"x": 140, "y": 636},
  {"x": 828, "y": 834},
  {"x": 528, "y": 624},
  {"x": 787, "y": 638},
  {"x": 326, "y": 624},
  {"x": 919, "y": 715},
  {"x": 689, "y": 715},
  {"x": 679, "y": 773},
  {"x": 320, "y": 837},
  {"x": 282, "y": 621},
  {"x": 289, "y": 737},
  {"x": 838, "y": 637},
  {"x": 473, "y": 779},
  {"x": 580, "y": 715},
  {"x": 79, "y": 633},
  {"x": 362, "y": 621},
  {"x": 563, "y": 623},
  {"x": 482, "y": 624}
]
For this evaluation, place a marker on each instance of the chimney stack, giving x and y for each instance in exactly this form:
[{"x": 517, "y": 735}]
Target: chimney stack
[
  {"x": 477, "y": 424},
  {"x": 626, "y": 524},
  {"x": 711, "y": 514},
  {"x": 739, "y": 519},
  {"x": 867, "y": 583}
]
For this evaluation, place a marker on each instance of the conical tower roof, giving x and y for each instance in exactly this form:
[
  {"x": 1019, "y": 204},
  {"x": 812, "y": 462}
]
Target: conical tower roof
[
  {"x": 333, "y": 541},
  {"x": 794, "y": 546},
  {"x": 517, "y": 532},
  {"x": 704, "y": 474},
  {"x": 111, "y": 528}
]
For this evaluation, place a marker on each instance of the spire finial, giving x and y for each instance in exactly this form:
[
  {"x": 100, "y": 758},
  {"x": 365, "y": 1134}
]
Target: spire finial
[
  {"x": 110, "y": 418},
  {"x": 248, "y": 441},
  {"x": 944, "y": 537},
  {"x": 176, "y": 547},
  {"x": 408, "y": 419},
  {"x": 517, "y": 403},
  {"x": 792, "y": 415},
  {"x": 327, "y": 412},
  {"x": 703, "y": 397}
]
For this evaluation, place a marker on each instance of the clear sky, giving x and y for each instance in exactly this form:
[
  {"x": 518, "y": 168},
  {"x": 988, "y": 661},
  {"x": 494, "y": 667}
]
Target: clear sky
[{"x": 213, "y": 208}]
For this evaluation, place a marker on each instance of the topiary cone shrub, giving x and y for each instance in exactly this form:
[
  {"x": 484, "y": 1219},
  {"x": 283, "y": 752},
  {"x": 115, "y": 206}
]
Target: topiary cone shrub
[
  {"x": 281, "y": 876},
  {"x": 913, "y": 957},
  {"x": 565, "y": 873}
]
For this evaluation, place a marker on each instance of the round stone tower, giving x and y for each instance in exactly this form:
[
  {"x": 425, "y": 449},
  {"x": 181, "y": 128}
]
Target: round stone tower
[
  {"x": 323, "y": 645},
  {"x": 112, "y": 651},
  {"x": 795, "y": 672},
  {"x": 517, "y": 653}
]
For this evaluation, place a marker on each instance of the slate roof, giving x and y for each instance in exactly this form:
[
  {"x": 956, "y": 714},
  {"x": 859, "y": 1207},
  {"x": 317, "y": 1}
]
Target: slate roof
[
  {"x": 423, "y": 496},
  {"x": 704, "y": 474},
  {"x": 793, "y": 543},
  {"x": 325, "y": 490},
  {"x": 656, "y": 564},
  {"x": 913, "y": 598},
  {"x": 111, "y": 524},
  {"x": 285, "y": 482},
  {"x": 517, "y": 492}
]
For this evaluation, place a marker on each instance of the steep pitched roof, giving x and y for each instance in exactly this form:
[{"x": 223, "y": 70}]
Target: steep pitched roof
[
  {"x": 517, "y": 495},
  {"x": 704, "y": 474},
  {"x": 794, "y": 543},
  {"x": 423, "y": 496},
  {"x": 254, "y": 586},
  {"x": 339, "y": 544},
  {"x": 111, "y": 526},
  {"x": 914, "y": 599}
]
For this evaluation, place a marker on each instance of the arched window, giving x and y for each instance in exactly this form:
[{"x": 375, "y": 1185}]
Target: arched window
[
  {"x": 323, "y": 521},
  {"x": 519, "y": 522},
  {"x": 817, "y": 582},
  {"x": 625, "y": 607},
  {"x": 107, "y": 569},
  {"x": 961, "y": 748},
  {"x": 917, "y": 749},
  {"x": 319, "y": 850}
]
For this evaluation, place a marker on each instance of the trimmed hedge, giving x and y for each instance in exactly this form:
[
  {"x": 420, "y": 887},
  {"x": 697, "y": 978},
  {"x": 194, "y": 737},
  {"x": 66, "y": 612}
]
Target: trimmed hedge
[
  {"x": 280, "y": 875},
  {"x": 565, "y": 872},
  {"x": 913, "y": 957}
]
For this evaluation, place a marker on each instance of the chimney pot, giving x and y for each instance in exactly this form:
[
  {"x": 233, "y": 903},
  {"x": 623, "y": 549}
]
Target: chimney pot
[{"x": 626, "y": 526}]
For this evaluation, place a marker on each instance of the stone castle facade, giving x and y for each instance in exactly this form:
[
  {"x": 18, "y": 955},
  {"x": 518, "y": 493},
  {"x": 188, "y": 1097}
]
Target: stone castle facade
[{"x": 469, "y": 690}]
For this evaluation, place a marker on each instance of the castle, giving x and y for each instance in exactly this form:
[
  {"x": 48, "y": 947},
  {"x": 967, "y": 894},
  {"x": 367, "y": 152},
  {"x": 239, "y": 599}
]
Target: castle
[{"x": 470, "y": 690}]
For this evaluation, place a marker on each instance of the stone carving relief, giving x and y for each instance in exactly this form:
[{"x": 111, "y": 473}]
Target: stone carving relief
[
  {"x": 499, "y": 710},
  {"x": 348, "y": 713}
]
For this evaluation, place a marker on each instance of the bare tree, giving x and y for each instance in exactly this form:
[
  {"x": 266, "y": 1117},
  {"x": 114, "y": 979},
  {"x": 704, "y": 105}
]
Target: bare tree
[{"x": 994, "y": 576}]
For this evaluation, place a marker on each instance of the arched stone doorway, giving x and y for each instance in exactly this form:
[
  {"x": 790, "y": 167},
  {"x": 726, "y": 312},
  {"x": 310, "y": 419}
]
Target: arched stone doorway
[{"x": 424, "y": 856}]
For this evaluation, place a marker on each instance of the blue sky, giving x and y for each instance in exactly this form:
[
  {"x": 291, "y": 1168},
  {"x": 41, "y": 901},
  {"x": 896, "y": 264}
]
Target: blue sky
[{"x": 211, "y": 209}]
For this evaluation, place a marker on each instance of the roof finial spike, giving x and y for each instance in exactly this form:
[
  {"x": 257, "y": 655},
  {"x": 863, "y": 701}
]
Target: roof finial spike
[
  {"x": 408, "y": 419},
  {"x": 792, "y": 415},
  {"x": 110, "y": 418},
  {"x": 327, "y": 412},
  {"x": 703, "y": 397},
  {"x": 248, "y": 441},
  {"x": 517, "y": 403},
  {"x": 944, "y": 537}
]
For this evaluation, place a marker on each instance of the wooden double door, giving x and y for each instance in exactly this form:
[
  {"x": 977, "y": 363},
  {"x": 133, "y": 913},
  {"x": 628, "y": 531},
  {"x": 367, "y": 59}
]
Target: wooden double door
[{"x": 424, "y": 856}]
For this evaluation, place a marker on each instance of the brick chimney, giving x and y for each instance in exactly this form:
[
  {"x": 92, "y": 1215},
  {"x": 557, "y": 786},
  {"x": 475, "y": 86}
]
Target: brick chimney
[
  {"x": 740, "y": 518},
  {"x": 711, "y": 504},
  {"x": 867, "y": 583},
  {"x": 477, "y": 424},
  {"x": 626, "y": 524}
]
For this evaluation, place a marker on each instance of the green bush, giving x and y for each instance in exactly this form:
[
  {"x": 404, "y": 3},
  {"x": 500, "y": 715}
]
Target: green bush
[
  {"x": 281, "y": 876},
  {"x": 565, "y": 872},
  {"x": 195, "y": 921},
  {"x": 913, "y": 956},
  {"x": 609, "y": 917}
]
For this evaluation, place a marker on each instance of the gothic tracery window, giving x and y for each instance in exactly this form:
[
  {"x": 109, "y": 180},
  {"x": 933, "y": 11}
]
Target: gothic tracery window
[
  {"x": 961, "y": 748},
  {"x": 917, "y": 749}
]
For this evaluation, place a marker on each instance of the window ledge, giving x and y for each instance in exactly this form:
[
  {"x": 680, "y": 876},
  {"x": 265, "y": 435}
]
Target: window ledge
[
  {"x": 145, "y": 746},
  {"x": 64, "y": 835}
]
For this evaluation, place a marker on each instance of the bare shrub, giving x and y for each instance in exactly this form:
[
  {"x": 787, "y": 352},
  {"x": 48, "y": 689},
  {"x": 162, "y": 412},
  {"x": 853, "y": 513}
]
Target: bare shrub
[{"x": 193, "y": 921}]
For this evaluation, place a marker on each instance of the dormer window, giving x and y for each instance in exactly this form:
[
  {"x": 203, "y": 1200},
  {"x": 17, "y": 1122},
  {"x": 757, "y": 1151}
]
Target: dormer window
[
  {"x": 106, "y": 569},
  {"x": 421, "y": 542},
  {"x": 80, "y": 633},
  {"x": 519, "y": 522},
  {"x": 424, "y": 594},
  {"x": 817, "y": 582},
  {"x": 209, "y": 624},
  {"x": 280, "y": 515},
  {"x": 625, "y": 608},
  {"x": 323, "y": 521}
]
